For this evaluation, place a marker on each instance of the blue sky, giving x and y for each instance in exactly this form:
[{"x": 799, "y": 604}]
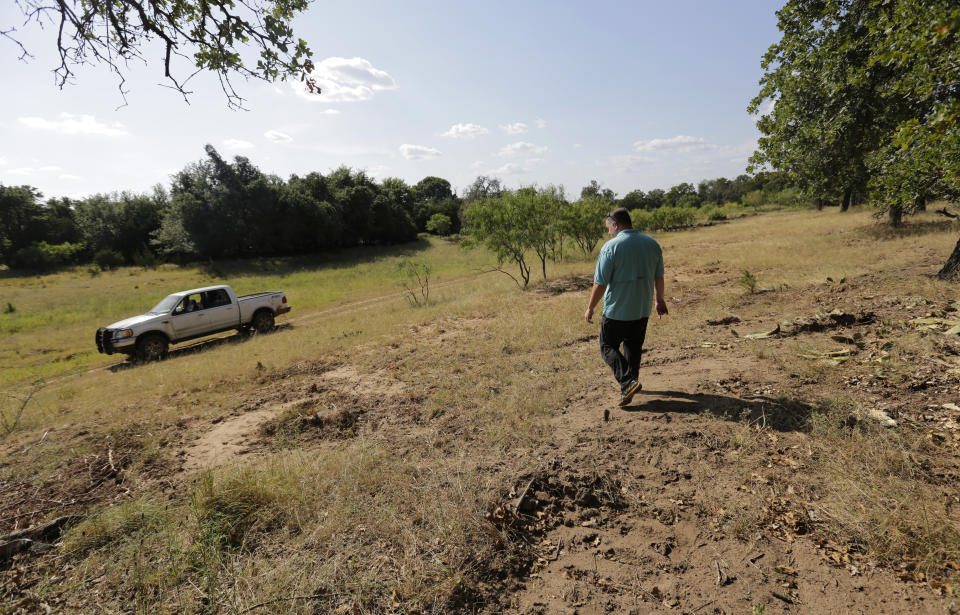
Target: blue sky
[{"x": 637, "y": 95}]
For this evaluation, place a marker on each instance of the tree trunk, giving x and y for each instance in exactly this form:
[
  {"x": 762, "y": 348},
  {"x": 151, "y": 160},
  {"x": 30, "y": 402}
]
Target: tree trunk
[
  {"x": 847, "y": 199},
  {"x": 819, "y": 204},
  {"x": 920, "y": 203},
  {"x": 951, "y": 270},
  {"x": 895, "y": 215}
]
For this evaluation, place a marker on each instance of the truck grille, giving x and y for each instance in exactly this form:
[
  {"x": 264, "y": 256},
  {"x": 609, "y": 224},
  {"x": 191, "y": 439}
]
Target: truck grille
[{"x": 105, "y": 340}]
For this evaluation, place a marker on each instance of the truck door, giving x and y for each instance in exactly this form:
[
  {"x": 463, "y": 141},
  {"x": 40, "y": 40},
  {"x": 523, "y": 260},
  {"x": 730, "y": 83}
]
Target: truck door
[
  {"x": 189, "y": 317},
  {"x": 221, "y": 312}
]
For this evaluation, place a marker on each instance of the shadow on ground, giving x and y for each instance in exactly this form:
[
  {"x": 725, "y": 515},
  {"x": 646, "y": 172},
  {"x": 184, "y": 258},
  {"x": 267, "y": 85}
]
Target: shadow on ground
[
  {"x": 780, "y": 414},
  {"x": 197, "y": 347}
]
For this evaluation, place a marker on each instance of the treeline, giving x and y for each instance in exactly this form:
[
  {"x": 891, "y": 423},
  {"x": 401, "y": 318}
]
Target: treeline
[
  {"x": 540, "y": 223},
  {"x": 216, "y": 209}
]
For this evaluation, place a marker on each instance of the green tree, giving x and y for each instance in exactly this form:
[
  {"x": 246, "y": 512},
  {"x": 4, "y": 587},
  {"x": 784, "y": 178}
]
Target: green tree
[
  {"x": 596, "y": 190},
  {"x": 866, "y": 98},
  {"x": 20, "y": 219},
  {"x": 632, "y": 200},
  {"x": 582, "y": 221},
  {"x": 189, "y": 36},
  {"x": 439, "y": 224}
]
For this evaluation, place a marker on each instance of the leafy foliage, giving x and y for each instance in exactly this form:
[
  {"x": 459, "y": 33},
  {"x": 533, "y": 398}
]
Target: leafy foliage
[
  {"x": 187, "y": 36},
  {"x": 864, "y": 97}
]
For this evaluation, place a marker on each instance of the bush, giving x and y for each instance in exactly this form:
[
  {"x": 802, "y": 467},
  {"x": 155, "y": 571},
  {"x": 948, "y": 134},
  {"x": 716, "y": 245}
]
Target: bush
[
  {"x": 667, "y": 218},
  {"x": 108, "y": 259},
  {"x": 755, "y": 198},
  {"x": 713, "y": 213},
  {"x": 42, "y": 256},
  {"x": 146, "y": 259},
  {"x": 439, "y": 224},
  {"x": 642, "y": 220}
]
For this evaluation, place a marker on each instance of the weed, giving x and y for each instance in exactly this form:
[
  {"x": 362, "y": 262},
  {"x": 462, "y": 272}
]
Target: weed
[
  {"x": 748, "y": 282},
  {"x": 9, "y": 309},
  {"x": 415, "y": 281}
]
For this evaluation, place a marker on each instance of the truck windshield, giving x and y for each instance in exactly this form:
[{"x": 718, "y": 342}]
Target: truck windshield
[{"x": 166, "y": 305}]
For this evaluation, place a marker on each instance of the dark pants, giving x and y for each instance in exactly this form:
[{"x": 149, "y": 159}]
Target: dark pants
[{"x": 629, "y": 333}]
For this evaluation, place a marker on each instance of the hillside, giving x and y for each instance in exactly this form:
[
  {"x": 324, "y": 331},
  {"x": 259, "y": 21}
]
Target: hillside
[{"x": 794, "y": 449}]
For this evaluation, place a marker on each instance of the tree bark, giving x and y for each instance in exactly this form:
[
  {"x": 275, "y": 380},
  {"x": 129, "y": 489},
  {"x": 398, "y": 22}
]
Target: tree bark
[
  {"x": 819, "y": 204},
  {"x": 920, "y": 203},
  {"x": 951, "y": 270},
  {"x": 847, "y": 199},
  {"x": 895, "y": 215}
]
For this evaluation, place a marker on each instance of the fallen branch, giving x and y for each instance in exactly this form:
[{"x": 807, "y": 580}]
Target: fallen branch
[
  {"x": 944, "y": 212},
  {"x": 519, "y": 503}
]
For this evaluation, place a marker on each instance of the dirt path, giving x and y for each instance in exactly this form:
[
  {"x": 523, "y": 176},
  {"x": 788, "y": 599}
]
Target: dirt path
[{"x": 694, "y": 548}]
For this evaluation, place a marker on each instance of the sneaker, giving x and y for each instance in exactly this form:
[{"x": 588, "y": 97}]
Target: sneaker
[{"x": 630, "y": 392}]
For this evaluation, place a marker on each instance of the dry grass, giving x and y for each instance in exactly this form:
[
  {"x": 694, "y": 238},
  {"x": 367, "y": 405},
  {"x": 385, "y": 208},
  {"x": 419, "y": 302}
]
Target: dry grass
[{"x": 391, "y": 516}]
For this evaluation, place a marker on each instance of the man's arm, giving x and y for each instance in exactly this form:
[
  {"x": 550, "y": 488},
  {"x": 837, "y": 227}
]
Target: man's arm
[
  {"x": 661, "y": 301},
  {"x": 595, "y": 295}
]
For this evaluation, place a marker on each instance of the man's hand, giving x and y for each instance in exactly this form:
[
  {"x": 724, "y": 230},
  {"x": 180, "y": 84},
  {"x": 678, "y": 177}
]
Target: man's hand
[
  {"x": 588, "y": 315},
  {"x": 661, "y": 307}
]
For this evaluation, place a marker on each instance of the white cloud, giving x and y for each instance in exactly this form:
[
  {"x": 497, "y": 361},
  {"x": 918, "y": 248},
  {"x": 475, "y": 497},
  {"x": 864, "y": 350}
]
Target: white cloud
[
  {"x": 378, "y": 171},
  {"x": 622, "y": 164},
  {"x": 70, "y": 124},
  {"x": 541, "y": 123},
  {"x": 3, "y": 161},
  {"x": 534, "y": 161},
  {"x": 237, "y": 144},
  {"x": 511, "y": 168},
  {"x": 277, "y": 137},
  {"x": 418, "y": 152},
  {"x": 680, "y": 143},
  {"x": 28, "y": 171},
  {"x": 517, "y": 128},
  {"x": 577, "y": 146},
  {"x": 345, "y": 80},
  {"x": 521, "y": 148},
  {"x": 465, "y": 131},
  {"x": 69, "y": 176},
  {"x": 768, "y": 107},
  {"x": 329, "y": 112}
]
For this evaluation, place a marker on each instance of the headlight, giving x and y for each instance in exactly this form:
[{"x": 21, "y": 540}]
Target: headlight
[{"x": 123, "y": 333}]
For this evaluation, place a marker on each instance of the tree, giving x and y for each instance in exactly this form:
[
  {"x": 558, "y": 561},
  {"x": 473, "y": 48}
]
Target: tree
[
  {"x": 20, "y": 214},
  {"x": 583, "y": 222},
  {"x": 483, "y": 188},
  {"x": 632, "y": 200},
  {"x": 596, "y": 190},
  {"x": 189, "y": 37},
  {"x": 867, "y": 97}
]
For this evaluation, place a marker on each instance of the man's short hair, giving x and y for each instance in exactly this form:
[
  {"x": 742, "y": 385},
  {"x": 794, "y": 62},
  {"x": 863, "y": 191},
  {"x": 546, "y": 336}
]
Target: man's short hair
[{"x": 622, "y": 217}]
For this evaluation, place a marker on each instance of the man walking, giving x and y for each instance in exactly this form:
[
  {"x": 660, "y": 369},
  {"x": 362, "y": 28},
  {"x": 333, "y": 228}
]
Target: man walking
[{"x": 629, "y": 270}]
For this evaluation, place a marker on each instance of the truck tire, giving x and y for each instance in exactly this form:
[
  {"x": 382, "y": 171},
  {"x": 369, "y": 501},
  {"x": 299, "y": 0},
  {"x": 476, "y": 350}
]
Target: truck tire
[
  {"x": 263, "y": 321},
  {"x": 152, "y": 347}
]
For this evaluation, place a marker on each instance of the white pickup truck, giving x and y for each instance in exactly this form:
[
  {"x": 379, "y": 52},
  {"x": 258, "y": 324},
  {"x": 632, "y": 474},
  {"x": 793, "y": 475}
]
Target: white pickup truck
[{"x": 188, "y": 315}]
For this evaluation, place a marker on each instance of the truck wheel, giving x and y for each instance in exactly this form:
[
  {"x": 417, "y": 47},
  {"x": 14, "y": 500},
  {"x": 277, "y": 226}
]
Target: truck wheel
[
  {"x": 263, "y": 321},
  {"x": 152, "y": 348}
]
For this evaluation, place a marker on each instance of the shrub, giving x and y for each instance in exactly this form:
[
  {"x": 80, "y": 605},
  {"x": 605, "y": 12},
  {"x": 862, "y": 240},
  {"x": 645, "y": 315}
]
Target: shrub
[
  {"x": 146, "y": 259},
  {"x": 713, "y": 213},
  {"x": 642, "y": 220},
  {"x": 748, "y": 281},
  {"x": 667, "y": 218},
  {"x": 108, "y": 259},
  {"x": 9, "y": 309},
  {"x": 439, "y": 224},
  {"x": 43, "y": 256},
  {"x": 755, "y": 198}
]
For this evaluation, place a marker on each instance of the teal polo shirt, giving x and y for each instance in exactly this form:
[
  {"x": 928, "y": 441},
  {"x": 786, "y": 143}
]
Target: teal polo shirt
[{"x": 627, "y": 266}]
